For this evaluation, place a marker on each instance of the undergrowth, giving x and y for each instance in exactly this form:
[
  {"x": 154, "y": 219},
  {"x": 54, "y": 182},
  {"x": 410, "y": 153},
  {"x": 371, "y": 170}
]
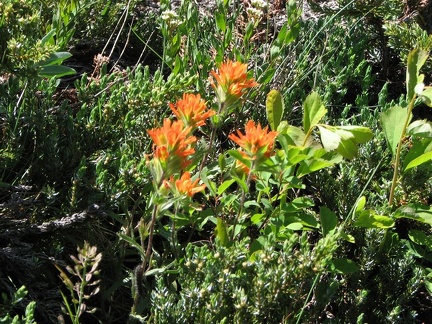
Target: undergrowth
[{"x": 262, "y": 204}]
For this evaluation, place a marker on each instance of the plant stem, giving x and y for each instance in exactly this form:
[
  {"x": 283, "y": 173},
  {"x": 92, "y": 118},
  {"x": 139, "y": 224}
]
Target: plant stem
[
  {"x": 242, "y": 200},
  {"x": 212, "y": 137},
  {"x": 398, "y": 152}
]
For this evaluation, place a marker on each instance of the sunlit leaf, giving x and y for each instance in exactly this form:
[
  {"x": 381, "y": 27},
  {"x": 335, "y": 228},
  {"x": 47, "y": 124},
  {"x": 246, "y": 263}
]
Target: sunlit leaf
[
  {"x": 426, "y": 157},
  {"x": 416, "y": 59},
  {"x": 422, "y": 128},
  {"x": 420, "y": 237},
  {"x": 329, "y": 139},
  {"x": 56, "y": 71},
  {"x": 426, "y": 96},
  {"x": 274, "y": 108},
  {"x": 368, "y": 219},
  {"x": 314, "y": 111},
  {"x": 393, "y": 122},
  {"x": 221, "y": 232},
  {"x": 348, "y": 149}
]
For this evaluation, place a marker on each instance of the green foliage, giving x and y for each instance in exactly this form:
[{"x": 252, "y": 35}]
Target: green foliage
[
  {"x": 223, "y": 254},
  {"x": 234, "y": 284},
  {"x": 396, "y": 120},
  {"x": 8, "y": 304}
]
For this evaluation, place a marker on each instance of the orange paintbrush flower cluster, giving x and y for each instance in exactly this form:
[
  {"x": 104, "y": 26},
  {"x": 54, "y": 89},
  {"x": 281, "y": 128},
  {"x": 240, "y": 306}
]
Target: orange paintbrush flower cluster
[
  {"x": 184, "y": 185},
  {"x": 172, "y": 145},
  {"x": 191, "y": 109},
  {"x": 232, "y": 80},
  {"x": 257, "y": 144}
]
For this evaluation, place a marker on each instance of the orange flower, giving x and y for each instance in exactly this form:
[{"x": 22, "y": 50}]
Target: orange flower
[
  {"x": 173, "y": 145},
  {"x": 184, "y": 185},
  {"x": 191, "y": 110},
  {"x": 257, "y": 142},
  {"x": 232, "y": 81}
]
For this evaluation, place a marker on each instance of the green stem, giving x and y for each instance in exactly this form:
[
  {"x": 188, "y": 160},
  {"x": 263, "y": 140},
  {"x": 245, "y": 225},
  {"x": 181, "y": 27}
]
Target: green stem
[
  {"x": 398, "y": 152},
  {"x": 242, "y": 200},
  {"x": 212, "y": 137},
  {"x": 145, "y": 266},
  {"x": 307, "y": 136}
]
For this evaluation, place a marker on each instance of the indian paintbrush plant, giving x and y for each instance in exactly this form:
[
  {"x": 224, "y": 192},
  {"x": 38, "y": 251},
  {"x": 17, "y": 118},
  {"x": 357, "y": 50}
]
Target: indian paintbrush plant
[{"x": 253, "y": 189}]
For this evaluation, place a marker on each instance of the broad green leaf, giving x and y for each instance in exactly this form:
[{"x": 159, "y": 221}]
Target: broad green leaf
[
  {"x": 225, "y": 185},
  {"x": 310, "y": 166},
  {"x": 221, "y": 232},
  {"x": 56, "y": 71},
  {"x": 393, "y": 122},
  {"x": 329, "y": 139},
  {"x": 422, "y": 128},
  {"x": 419, "y": 146},
  {"x": 295, "y": 135},
  {"x": 329, "y": 220},
  {"x": 360, "y": 204},
  {"x": 418, "y": 212},
  {"x": 368, "y": 219},
  {"x": 359, "y": 133},
  {"x": 274, "y": 108},
  {"x": 221, "y": 20},
  {"x": 344, "y": 266},
  {"x": 416, "y": 59},
  {"x": 295, "y": 226},
  {"x": 257, "y": 218},
  {"x": 48, "y": 38},
  {"x": 55, "y": 59},
  {"x": 419, "y": 237},
  {"x": 314, "y": 111},
  {"x": 426, "y": 96},
  {"x": 348, "y": 149},
  {"x": 426, "y": 157}
]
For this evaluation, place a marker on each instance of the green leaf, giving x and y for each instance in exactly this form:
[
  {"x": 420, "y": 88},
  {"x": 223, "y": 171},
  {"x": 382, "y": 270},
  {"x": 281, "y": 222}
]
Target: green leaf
[
  {"x": 344, "y": 266},
  {"x": 419, "y": 237},
  {"x": 415, "y": 211},
  {"x": 360, "y": 204},
  {"x": 419, "y": 146},
  {"x": 314, "y": 111},
  {"x": 426, "y": 157},
  {"x": 310, "y": 166},
  {"x": 426, "y": 96},
  {"x": 393, "y": 122},
  {"x": 329, "y": 139},
  {"x": 416, "y": 59},
  {"x": 55, "y": 59},
  {"x": 225, "y": 185},
  {"x": 238, "y": 156},
  {"x": 329, "y": 221},
  {"x": 368, "y": 219},
  {"x": 132, "y": 242},
  {"x": 421, "y": 128},
  {"x": 211, "y": 185},
  {"x": 56, "y": 71},
  {"x": 221, "y": 232},
  {"x": 347, "y": 149},
  {"x": 274, "y": 108},
  {"x": 360, "y": 134},
  {"x": 221, "y": 20}
]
